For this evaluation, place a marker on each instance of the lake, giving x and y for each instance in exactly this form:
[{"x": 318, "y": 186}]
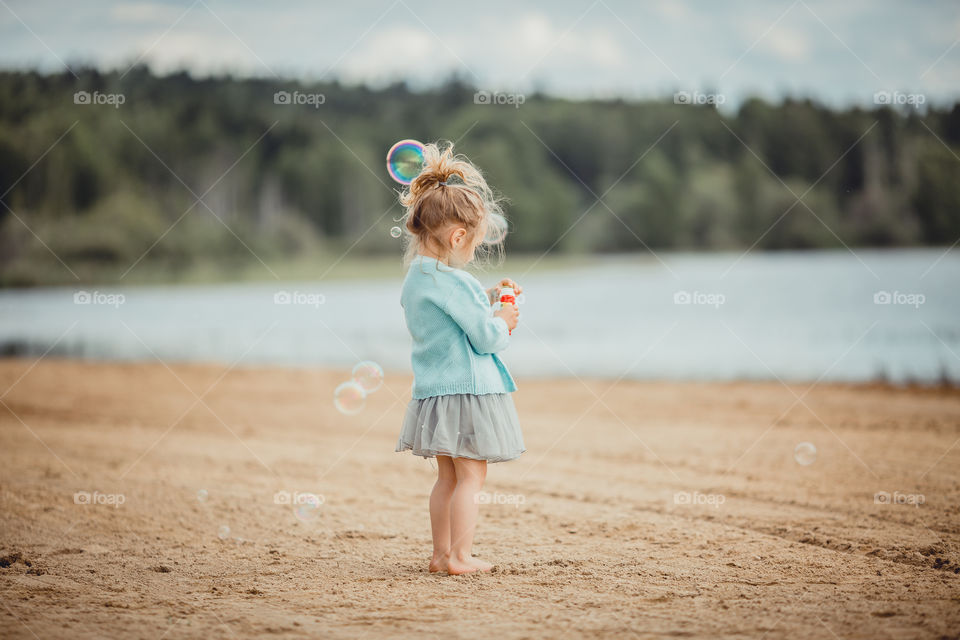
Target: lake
[{"x": 830, "y": 315}]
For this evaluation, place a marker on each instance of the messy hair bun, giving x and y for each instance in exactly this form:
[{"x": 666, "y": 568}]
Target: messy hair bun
[{"x": 449, "y": 190}]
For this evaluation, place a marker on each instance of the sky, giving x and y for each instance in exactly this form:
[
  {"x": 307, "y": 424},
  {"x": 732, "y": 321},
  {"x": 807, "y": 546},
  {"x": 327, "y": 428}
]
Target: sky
[{"x": 839, "y": 53}]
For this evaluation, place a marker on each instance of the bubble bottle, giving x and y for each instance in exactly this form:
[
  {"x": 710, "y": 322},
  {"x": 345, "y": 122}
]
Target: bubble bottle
[{"x": 507, "y": 296}]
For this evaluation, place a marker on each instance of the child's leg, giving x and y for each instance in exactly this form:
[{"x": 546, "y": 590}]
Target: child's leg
[
  {"x": 440, "y": 512},
  {"x": 463, "y": 516}
]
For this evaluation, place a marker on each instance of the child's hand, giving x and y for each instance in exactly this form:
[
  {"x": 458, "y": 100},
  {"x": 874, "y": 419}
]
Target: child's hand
[
  {"x": 493, "y": 293},
  {"x": 510, "y": 314}
]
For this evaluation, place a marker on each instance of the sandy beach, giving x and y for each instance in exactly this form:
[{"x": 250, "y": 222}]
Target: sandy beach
[{"x": 640, "y": 510}]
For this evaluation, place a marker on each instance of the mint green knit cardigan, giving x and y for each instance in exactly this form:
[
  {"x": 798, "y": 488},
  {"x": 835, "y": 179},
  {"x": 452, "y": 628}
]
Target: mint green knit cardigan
[{"x": 455, "y": 335}]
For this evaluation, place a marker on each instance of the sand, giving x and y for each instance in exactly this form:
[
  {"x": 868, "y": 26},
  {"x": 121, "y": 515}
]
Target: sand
[{"x": 639, "y": 510}]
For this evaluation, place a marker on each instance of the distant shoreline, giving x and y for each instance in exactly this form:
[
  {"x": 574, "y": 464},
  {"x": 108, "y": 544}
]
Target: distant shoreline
[
  {"x": 333, "y": 266},
  {"x": 10, "y": 356}
]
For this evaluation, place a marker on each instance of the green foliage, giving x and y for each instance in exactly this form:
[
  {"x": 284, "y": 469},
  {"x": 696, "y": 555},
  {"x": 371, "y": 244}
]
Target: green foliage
[
  {"x": 937, "y": 199},
  {"x": 119, "y": 193}
]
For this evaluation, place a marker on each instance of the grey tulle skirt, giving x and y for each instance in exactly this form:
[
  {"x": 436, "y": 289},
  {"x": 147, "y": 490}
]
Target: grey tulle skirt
[{"x": 463, "y": 425}]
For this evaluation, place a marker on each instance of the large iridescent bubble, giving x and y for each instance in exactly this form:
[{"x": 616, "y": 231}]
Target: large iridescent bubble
[{"x": 405, "y": 161}]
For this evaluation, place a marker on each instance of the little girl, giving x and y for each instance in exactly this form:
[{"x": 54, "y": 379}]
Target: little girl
[{"x": 461, "y": 411}]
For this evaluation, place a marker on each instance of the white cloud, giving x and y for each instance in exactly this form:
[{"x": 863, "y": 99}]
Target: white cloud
[
  {"x": 396, "y": 51},
  {"x": 558, "y": 46},
  {"x": 673, "y": 10},
  {"x": 586, "y": 46},
  {"x": 787, "y": 44},
  {"x": 535, "y": 44},
  {"x": 534, "y": 32},
  {"x": 145, "y": 13},
  {"x": 206, "y": 51},
  {"x": 530, "y": 44}
]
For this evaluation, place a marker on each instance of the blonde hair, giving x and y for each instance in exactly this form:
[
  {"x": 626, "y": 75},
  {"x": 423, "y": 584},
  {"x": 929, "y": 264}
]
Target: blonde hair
[{"x": 449, "y": 190}]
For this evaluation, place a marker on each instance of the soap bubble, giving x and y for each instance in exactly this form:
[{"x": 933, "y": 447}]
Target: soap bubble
[
  {"x": 349, "y": 398},
  {"x": 223, "y": 532},
  {"x": 805, "y": 453},
  {"x": 202, "y": 495},
  {"x": 307, "y": 508},
  {"x": 496, "y": 229},
  {"x": 369, "y": 375},
  {"x": 405, "y": 161},
  {"x": 396, "y": 232}
]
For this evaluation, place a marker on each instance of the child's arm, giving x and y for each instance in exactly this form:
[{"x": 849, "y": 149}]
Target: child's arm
[{"x": 467, "y": 306}]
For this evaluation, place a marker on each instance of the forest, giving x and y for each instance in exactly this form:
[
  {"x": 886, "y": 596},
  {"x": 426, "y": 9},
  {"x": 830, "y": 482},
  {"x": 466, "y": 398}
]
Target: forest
[{"x": 113, "y": 177}]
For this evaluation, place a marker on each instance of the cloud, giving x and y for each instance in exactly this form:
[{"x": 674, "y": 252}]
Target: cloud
[
  {"x": 787, "y": 44},
  {"x": 529, "y": 44},
  {"x": 145, "y": 13},
  {"x": 540, "y": 38},
  {"x": 673, "y": 10},
  {"x": 396, "y": 51},
  {"x": 567, "y": 49},
  {"x": 204, "y": 51}
]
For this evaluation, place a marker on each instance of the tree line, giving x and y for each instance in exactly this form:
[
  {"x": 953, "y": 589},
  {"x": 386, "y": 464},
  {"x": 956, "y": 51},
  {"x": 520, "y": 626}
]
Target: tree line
[{"x": 106, "y": 171}]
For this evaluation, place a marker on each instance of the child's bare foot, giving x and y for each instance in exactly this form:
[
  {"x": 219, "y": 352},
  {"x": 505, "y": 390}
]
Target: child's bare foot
[
  {"x": 438, "y": 563},
  {"x": 480, "y": 564},
  {"x": 458, "y": 566}
]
